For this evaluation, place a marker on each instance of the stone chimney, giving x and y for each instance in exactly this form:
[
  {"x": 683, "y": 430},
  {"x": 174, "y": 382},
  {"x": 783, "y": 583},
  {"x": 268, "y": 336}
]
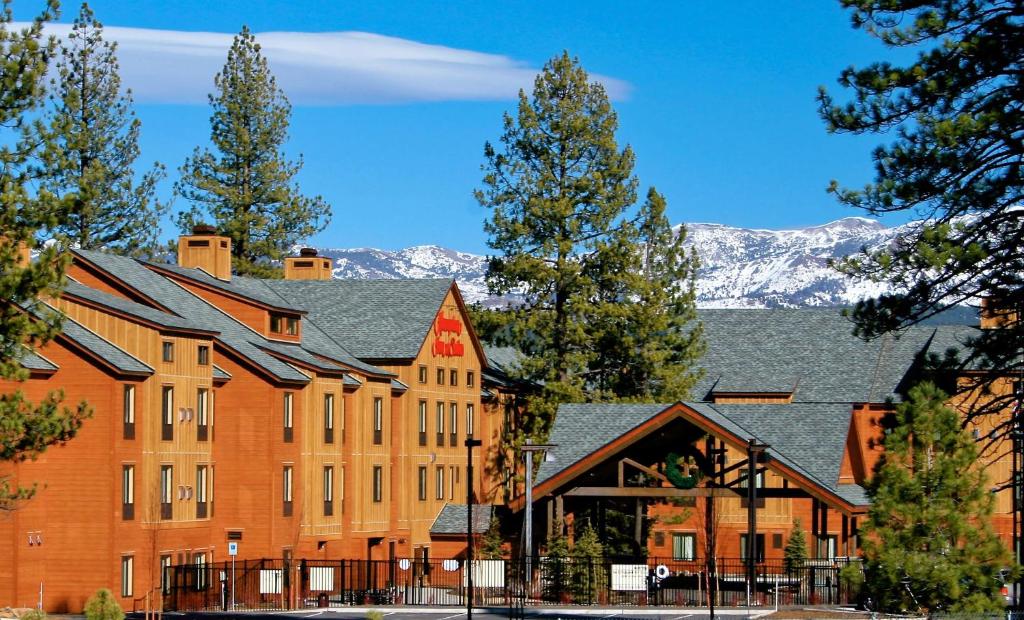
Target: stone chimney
[
  {"x": 205, "y": 249},
  {"x": 307, "y": 266}
]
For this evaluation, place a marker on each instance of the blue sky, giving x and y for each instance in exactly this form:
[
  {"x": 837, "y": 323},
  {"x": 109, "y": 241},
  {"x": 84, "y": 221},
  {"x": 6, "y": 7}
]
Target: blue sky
[{"x": 717, "y": 100}]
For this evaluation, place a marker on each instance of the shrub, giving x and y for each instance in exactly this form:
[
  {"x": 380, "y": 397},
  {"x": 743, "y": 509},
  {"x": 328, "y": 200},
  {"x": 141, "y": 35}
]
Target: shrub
[{"x": 103, "y": 606}]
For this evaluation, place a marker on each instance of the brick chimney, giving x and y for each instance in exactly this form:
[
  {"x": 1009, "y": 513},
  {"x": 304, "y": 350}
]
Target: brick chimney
[
  {"x": 307, "y": 266},
  {"x": 205, "y": 249}
]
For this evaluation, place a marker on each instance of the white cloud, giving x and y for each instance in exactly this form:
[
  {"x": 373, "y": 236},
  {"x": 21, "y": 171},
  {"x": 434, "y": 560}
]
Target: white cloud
[{"x": 322, "y": 68}]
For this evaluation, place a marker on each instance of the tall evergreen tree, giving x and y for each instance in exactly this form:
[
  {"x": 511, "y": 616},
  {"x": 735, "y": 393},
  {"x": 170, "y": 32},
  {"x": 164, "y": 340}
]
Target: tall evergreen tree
[
  {"x": 955, "y": 116},
  {"x": 245, "y": 184},
  {"x": 928, "y": 539},
  {"x": 795, "y": 553},
  {"x": 570, "y": 238},
  {"x": 26, "y": 428},
  {"x": 89, "y": 159}
]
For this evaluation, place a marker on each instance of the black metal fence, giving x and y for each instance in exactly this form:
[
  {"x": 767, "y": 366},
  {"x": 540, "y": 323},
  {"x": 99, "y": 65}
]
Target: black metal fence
[{"x": 272, "y": 584}]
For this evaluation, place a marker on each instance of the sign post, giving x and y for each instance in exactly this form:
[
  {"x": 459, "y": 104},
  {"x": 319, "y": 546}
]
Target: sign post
[
  {"x": 232, "y": 551},
  {"x": 470, "y": 444}
]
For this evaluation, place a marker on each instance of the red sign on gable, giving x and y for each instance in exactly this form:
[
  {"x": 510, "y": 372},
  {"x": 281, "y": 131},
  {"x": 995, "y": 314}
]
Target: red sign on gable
[{"x": 446, "y": 337}]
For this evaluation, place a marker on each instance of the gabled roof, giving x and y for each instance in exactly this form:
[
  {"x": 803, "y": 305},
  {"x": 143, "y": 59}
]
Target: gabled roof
[
  {"x": 250, "y": 289},
  {"x": 454, "y": 519},
  {"x": 375, "y": 319},
  {"x": 101, "y": 350},
  {"x": 175, "y": 298},
  {"x": 807, "y": 440},
  {"x": 132, "y": 309},
  {"x": 502, "y": 362},
  {"x": 30, "y": 360}
]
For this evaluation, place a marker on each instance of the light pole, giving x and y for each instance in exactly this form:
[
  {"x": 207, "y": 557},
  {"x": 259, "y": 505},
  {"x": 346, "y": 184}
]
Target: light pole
[
  {"x": 470, "y": 444},
  {"x": 528, "y": 449}
]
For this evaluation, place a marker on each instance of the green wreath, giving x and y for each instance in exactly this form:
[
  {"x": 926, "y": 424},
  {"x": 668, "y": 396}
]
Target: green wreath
[{"x": 676, "y": 477}]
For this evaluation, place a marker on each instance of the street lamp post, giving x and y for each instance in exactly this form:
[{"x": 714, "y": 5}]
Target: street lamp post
[
  {"x": 528, "y": 449},
  {"x": 470, "y": 444}
]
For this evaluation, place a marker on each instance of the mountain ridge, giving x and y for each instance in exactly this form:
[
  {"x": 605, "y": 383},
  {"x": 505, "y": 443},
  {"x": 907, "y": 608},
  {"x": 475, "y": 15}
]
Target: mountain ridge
[{"x": 740, "y": 267}]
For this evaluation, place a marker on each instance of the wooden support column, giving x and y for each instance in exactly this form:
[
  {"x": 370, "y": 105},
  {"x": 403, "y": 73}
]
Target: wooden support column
[
  {"x": 846, "y": 536},
  {"x": 824, "y": 531},
  {"x": 559, "y": 514},
  {"x": 550, "y": 529},
  {"x": 814, "y": 527},
  {"x": 638, "y": 525},
  {"x": 854, "y": 542}
]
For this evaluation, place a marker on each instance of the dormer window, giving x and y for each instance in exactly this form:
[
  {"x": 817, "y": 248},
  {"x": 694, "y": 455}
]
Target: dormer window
[{"x": 280, "y": 324}]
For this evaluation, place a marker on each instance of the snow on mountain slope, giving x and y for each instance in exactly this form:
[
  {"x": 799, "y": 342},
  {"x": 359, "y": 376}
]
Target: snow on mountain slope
[{"x": 741, "y": 267}]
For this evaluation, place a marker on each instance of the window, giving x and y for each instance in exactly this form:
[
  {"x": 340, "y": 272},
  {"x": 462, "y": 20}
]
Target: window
[
  {"x": 378, "y": 421},
  {"x": 166, "y": 491},
  {"x": 129, "y": 412},
  {"x": 378, "y": 483},
  {"x": 286, "y": 491},
  {"x": 440, "y": 424},
  {"x": 202, "y": 572},
  {"x": 328, "y": 418},
  {"x": 469, "y": 419},
  {"x": 201, "y": 495},
  {"x": 168, "y": 351},
  {"x": 328, "y": 490},
  {"x": 167, "y": 414},
  {"x": 453, "y": 439},
  {"x": 439, "y": 482},
  {"x": 165, "y": 573},
  {"x": 202, "y": 414},
  {"x": 776, "y": 540},
  {"x": 289, "y": 417},
  {"x": 275, "y": 323},
  {"x": 292, "y": 326},
  {"x": 423, "y": 483},
  {"x": 758, "y": 552},
  {"x": 127, "y": 575},
  {"x": 204, "y": 355},
  {"x": 127, "y": 492},
  {"x": 742, "y": 484},
  {"x": 453, "y": 377},
  {"x": 830, "y": 547},
  {"x": 423, "y": 374},
  {"x": 440, "y": 376},
  {"x": 452, "y": 472},
  {"x": 470, "y": 378},
  {"x": 423, "y": 422},
  {"x": 684, "y": 546}
]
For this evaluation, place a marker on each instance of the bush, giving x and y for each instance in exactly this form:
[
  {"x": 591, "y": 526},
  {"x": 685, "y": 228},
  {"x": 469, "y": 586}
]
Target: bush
[
  {"x": 103, "y": 606},
  {"x": 375, "y": 614},
  {"x": 34, "y": 614},
  {"x": 851, "y": 577}
]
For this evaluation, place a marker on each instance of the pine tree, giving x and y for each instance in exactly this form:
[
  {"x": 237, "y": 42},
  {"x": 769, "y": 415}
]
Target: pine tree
[
  {"x": 492, "y": 545},
  {"x": 955, "y": 117},
  {"x": 25, "y": 321},
  {"x": 928, "y": 539},
  {"x": 795, "y": 554},
  {"x": 570, "y": 239},
  {"x": 92, "y": 148},
  {"x": 244, "y": 185}
]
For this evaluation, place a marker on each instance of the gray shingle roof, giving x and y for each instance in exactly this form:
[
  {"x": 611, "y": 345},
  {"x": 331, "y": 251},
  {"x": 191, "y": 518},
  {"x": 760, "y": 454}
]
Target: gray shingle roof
[
  {"x": 580, "y": 429},
  {"x": 453, "y": 518},
  {"x": 31, "y": 360},
  {"x": 374, "y": 319},
  {"x": 220, "y": 374},
  {"x": 250, "y": 288},
  {"x": 501, "y": 364},
  {"x": 131, "y": 308},
  {"x": 763, "y": 350},
  {"x": 177, "y": 299},
  {"x": 854, "y": 493},
  {"x": 106, "y": 351}
]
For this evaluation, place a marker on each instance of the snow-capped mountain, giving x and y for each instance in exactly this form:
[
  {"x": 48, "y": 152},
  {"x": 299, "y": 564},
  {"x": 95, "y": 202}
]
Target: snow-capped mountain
[{"x": 741, "y": 267}]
